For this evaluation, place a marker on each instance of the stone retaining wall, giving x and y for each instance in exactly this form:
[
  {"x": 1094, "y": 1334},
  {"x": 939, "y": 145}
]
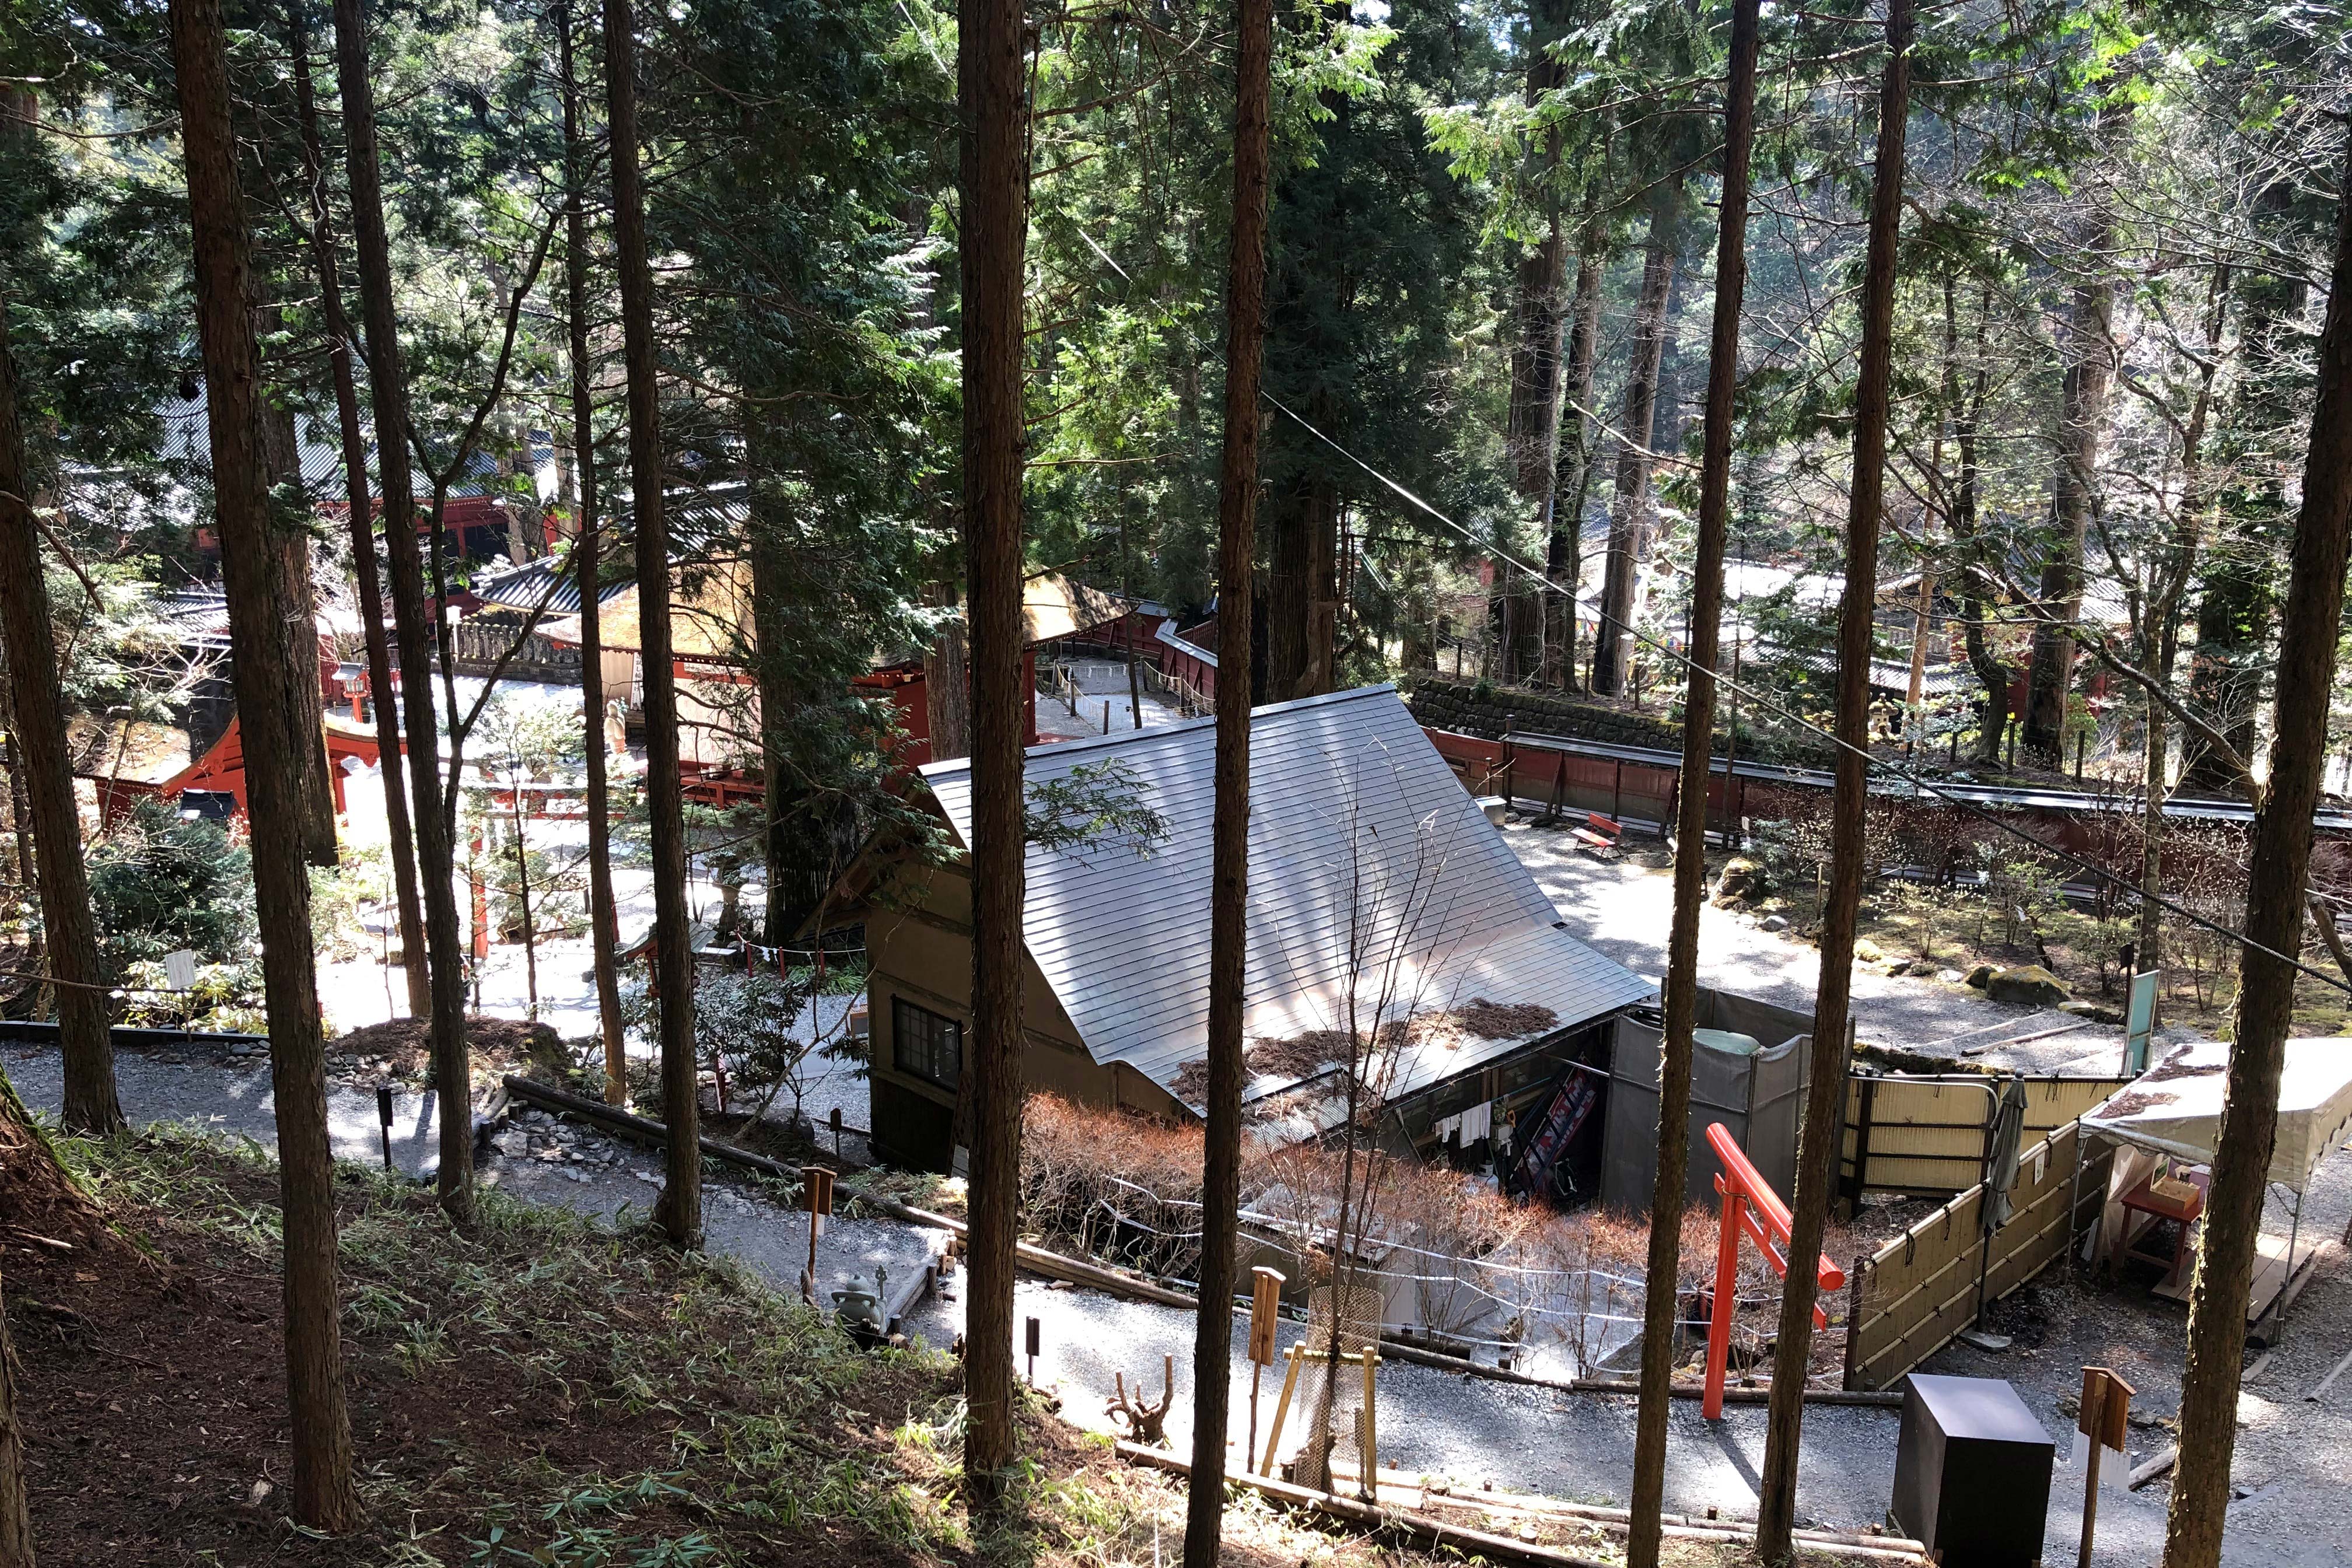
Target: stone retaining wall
[{"x": 1444, "y": 703}]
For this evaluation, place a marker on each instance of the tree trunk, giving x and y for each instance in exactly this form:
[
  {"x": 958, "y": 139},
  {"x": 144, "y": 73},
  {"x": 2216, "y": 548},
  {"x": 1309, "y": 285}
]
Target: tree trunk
[
  {"x": 1573, "y": 477},
  {"x": 947, "y": 692},
  {"x": 386, "y": 707},
  {"x": 1817, "y": 1136},
  {"x": 1531, "y": 430},
  {"x": 2161, "y": 639},
  {"x": 2239, "y": 567},
  {"x": 678, "y": 1210},
  {"x": 787, "y": 881},
  {"x": 37, "y": 1183},
  {"x": 16, "y": 1508},
  {"x": 1533, "y": 434},
  {"x": 388, "y": 399},
  {"x": 2083, "y": 409},
  {"x": 1302, "y": 590},
  {"x": 1976, "y": 574},
  {"x": 603, "y": 910},
  {"x": 1612, "y": 656},
  {"x": 323, "y": 1495},
  {"x": 993, "y": 181},
  {"x": 1667, "y": 1198},
  {"x": 2276, "y": 882},
  {"x": 1229, "y": 829},
  {"x": 281, "y": 462},
  {"x": 44, "y": 764},
  {"x": 802, "y": 845}
]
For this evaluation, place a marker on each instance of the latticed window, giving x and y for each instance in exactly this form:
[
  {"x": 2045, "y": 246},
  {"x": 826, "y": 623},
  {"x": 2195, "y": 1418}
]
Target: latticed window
[{"x": 925, "y": 1045}]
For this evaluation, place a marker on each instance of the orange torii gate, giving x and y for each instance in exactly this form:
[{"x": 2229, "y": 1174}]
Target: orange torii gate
[{"x": 1750, "y": 1205}]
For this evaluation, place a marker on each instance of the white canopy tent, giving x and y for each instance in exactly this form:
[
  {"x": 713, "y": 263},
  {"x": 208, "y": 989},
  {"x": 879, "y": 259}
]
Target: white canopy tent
[
  {"x": 2176, "y": 1106},
  {"x": 2174, "y": 1110}
]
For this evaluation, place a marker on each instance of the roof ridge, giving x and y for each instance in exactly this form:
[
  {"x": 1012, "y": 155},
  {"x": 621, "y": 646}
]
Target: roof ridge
[{"x": 954, "y": 766}]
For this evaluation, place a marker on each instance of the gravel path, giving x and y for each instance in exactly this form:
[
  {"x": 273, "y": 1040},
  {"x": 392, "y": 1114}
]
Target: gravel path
[{"x": 1470, "y": 1430}]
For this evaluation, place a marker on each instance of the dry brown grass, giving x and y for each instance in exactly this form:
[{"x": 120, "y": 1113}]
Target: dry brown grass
[{"x": 1079, "y": 1165}]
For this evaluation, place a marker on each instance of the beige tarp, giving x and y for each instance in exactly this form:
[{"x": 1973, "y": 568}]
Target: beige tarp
[{"x": 2176, "y": 1106}]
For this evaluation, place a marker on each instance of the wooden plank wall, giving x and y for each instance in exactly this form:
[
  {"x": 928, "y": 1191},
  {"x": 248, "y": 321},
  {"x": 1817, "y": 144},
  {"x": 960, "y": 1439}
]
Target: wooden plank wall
[
  {"x": 1923, "y": 1287},
  {"x": 1928, "y": 1136}
]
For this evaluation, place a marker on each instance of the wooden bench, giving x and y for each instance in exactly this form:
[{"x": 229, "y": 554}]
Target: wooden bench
[{"x": 1599, "y": 837}]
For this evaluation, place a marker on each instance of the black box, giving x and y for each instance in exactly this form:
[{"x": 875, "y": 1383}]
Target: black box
[{"x": 1971, "y": 1473}]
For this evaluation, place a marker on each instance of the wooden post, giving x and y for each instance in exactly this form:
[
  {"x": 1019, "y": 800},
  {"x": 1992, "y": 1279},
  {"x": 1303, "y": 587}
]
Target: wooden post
[
  {"x": 2107, "y": 1406},
  {"x": 1371, "y": 1444},
  {"x": 1265, "y": 1307},
  {"x": 1859, "y": 1182},
  {"x": 1031, "y": 1335},
  {"x": 1726, "y": 1297},
  {"x": 1282, "y": 1408},
  {"x": 481, "y": 902},
  {"x": 816, "y": 1197}
]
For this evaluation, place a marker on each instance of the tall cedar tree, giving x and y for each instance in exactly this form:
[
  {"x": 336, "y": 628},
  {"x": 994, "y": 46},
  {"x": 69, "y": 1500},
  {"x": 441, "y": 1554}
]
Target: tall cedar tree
[
  {"x": 1612, "y": 652},
  {"x": 678, "y": 1211},
  {"x": 407, "y": 898},
  {"x": 323, "y": 1494},
  {"x": 2081, "y": 415},
  {"x": 603, "y": 910},
  {"x": 281, "y": 463},
  {"x": 1573, "y": 477},
  {"x": 2161, "y": 639},
  {"x": 43, "y": 762},
  {"x": 40, "y": 1191},
  {"x": 2275, "y": 884},
  {"x": 1690, "y": 844},
  {"x": 1229, "y": 828},
  {"x": 1825, "y": 1091},
  {"x": 388, "y": 399},
  {"x": 16, "y": 1510},
  {"x": 1532, "y": 417},
  {"x": 992, "y": 178}
]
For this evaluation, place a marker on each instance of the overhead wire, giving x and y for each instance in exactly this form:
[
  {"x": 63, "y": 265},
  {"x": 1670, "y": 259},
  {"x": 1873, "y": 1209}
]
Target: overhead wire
[{"x": 1919, "y": 783}]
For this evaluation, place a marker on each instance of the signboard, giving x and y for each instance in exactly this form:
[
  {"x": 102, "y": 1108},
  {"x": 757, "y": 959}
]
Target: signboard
[{"x": 2139, "y": 1021}]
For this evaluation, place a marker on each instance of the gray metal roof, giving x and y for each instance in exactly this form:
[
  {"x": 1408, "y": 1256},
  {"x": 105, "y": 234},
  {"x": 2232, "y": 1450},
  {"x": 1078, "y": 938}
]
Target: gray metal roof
[
  {"x": 525, "y": 588},
  {"x": 1361, "y": 841}
]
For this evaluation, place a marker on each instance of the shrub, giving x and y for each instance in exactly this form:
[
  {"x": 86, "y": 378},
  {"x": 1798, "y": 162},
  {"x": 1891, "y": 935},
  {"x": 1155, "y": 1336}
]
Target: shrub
[{"x": 159, "y": 883}]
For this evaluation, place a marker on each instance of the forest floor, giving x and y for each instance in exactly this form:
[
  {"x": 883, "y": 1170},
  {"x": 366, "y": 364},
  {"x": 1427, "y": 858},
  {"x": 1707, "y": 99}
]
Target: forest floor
[{"x": 549, "y": 1390}]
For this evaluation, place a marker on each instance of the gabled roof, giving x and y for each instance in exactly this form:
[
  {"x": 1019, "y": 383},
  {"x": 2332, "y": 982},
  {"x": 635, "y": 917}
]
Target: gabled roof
[{"x": 1361, "y": 837}]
